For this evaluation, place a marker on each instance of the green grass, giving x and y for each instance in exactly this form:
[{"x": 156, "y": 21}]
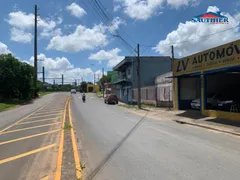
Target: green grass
[
  {"x": 67, "y": 126},
  {"x": 44, "y": 93},
  {"x": 6, "y": 106},
  {"x": 135, "y": 106},
  {"x": 99, "y": 94}
]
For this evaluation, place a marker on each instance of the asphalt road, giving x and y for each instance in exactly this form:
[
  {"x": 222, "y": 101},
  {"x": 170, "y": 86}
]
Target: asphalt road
[
  {"x": 29, "y": 138},
  {"x": 114, "y": 148}
]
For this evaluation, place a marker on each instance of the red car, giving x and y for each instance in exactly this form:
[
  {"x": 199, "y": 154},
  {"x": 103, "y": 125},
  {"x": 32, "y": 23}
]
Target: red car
[{"x": 111, "y": 99}]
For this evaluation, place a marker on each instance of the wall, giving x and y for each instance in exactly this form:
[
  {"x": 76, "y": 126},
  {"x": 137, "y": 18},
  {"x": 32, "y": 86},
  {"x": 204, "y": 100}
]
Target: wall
[{"x": 150, "y": 68}]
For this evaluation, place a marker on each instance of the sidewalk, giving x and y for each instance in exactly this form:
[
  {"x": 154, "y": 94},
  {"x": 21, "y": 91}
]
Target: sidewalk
[{"x": 190, "y": 117}]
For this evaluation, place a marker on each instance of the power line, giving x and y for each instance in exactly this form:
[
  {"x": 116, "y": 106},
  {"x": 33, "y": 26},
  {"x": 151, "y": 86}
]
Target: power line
[{"x": 200, "y": 37}]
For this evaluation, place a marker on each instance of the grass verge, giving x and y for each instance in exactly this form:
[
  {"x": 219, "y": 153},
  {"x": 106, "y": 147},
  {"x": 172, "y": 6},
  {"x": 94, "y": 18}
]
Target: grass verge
[
  {"x": 135, "y": 106},
  {"x": 6, "y": 106},
  {"x": 44, "y": 93},
  {"x": 99, "y": 94}
]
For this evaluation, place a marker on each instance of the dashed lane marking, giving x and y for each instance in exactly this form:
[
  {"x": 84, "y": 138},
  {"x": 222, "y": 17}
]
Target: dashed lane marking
[
  {"x": 26, "y": 117},
  {"x": 42, "y": 120},
  {"x": 26, "y": 154},
  {"x": 34, "y": 127},
  {"x": 32, "y": 117},
  {"x": 28, "y": 137}
]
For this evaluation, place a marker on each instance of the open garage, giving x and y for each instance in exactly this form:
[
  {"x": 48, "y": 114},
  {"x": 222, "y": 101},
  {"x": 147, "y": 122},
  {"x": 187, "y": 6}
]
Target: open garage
[
  {"x": 209, "y": 81},
  {"x": 222, "y": 90},
  {"x": 190, "y": 90}
]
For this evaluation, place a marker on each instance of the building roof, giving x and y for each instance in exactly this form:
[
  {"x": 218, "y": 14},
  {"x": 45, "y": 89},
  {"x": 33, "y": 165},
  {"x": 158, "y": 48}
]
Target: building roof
[{"x": 130, "y": 59}]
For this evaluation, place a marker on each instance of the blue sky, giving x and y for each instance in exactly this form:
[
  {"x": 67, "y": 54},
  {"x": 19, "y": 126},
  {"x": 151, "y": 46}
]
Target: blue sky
[{"x": 72, "y": 35}]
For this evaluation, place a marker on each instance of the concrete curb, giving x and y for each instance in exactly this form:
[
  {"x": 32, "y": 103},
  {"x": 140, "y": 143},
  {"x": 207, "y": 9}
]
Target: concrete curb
[{"x": 207, "y": 127}]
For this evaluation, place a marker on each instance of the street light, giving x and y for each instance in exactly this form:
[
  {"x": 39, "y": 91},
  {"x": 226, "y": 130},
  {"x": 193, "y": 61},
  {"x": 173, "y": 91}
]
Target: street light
[{"x": 93, "y": 77}]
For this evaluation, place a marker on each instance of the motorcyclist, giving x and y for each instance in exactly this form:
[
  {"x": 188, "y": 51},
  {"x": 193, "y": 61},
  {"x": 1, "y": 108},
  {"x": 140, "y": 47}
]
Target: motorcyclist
[{"x": 83, "y": 97}]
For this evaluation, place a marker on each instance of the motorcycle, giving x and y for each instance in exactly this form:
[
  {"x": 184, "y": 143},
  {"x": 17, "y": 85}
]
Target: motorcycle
[{"x": 83, "y": 98}]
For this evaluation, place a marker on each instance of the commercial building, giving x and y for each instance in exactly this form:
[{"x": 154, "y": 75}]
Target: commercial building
[
  {"x": 126, "y": 79},
  {"x": 209, "y": 81}
]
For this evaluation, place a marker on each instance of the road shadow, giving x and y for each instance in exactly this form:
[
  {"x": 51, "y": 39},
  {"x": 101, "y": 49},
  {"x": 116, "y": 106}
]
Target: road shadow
[
  {"x": 114, "y": 150},
  {"x": 225, "y": 122},
  {"x": 193, "y": 114}
]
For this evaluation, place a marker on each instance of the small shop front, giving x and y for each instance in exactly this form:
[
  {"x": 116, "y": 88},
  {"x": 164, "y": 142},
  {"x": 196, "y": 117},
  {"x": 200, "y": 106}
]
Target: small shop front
[{"x": 209, "y": 81}]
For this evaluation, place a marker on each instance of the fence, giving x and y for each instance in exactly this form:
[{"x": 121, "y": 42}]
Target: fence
[{"x": 155, "y": 95}]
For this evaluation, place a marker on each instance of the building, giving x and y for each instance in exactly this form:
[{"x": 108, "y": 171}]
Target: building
[
  {"x": 164, "y": 90},
  {"x": 211, "y": 79},
  {"x": 126, "y": 79},
  {"x": 92, "y": 88}
]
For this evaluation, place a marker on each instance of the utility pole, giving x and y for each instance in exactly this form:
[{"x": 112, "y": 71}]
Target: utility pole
[
  {"x": 103, "y": 83},
  {"x": 43, "y": 75},
  {"x": 62, "y": 79},
  {"x": 75, "y": 83},
  {"x": 169, "y": 106},
  {"x": 139, "y": 78},
  {"x": 93, "y": 82},
  {"x": 35, "y": 53},
  {"x": 172, "y": 57}
]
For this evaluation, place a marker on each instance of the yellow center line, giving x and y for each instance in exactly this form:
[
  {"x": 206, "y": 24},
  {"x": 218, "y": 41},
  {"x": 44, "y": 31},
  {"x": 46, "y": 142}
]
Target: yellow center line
[
  {"x": 42, "y": 120},
  {"x": 75, "y": 150},
  {"x": 33, "y": 127},
  {"x": 40, "y": 113},
  {"x": 60, "y": 151},
  {"x": 28, "y": 137},
  {"x": 32, "y": 117},
  {"x": 25, "y": 117},
  {"x": 27, "y": 153}
]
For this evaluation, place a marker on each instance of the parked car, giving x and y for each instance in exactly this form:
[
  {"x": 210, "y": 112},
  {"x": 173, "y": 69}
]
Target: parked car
[
  {"x": 212, "y": 101},
  {"x": 73, "y": 91},
  {"x": 111, "y": 99}
]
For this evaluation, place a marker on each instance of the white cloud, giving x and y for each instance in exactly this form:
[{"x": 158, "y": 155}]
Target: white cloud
[
  {"x": 115, "y": 24},
  {"x": 23, "y": 23},
  {"x": 192, "y": 32},
  {"x": 144, "y": 9},
  {"x": 19, "y": 35},
  {"x": 4, "y": 49},
  {"x": 111, "y": 56},
  {"x": 116, "y": 8},
  {"x": 81, "y": 39},
  {"x": 53, "y": 33},
  {"x": 213, "y": 9},
  {"x": 55, "y": 67},
  {"x": 75, "y": 10}
]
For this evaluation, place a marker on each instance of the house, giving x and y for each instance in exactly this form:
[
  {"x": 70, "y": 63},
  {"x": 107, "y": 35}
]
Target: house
[{"x": 126, "y": 79}]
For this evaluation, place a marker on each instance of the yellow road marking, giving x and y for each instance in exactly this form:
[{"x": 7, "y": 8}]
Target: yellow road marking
[
  {"x": 27, "y": 153},
  {"x": 25, "y": 117},
  {"x": 33, "y": 117},
  {"x": 48, "y": 112},
  {"x": 53, "y": 109},
  {"x": 60, "y": 151},
  {"x": 28, "y": 137},
  {"x": 33, "y": 127},
  {"x": 45, "y": 178},
  {"x": 29, "y": 122},
  {"x": 75, "y": 150}
]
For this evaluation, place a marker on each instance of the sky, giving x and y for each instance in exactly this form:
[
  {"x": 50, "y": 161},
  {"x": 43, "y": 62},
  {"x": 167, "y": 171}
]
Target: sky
[{"x": 77, "y": 38}]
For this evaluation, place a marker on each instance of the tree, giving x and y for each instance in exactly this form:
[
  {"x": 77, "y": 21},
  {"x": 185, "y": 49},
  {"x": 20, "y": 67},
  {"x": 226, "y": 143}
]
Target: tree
[
  {"x": 83, "y": 86},
  {"x": 16, "y": 77},
  {"x": 105, "y": 79}
]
